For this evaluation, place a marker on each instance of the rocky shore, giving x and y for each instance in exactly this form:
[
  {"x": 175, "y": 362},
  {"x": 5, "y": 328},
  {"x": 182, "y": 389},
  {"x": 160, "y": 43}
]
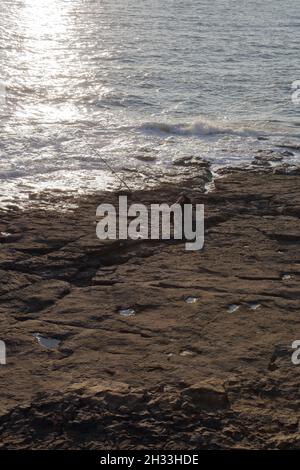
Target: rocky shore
[{"x": 141, "y": 344}]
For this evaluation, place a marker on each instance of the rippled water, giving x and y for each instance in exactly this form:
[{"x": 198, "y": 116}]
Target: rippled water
[{"x": 135, "y": 79}]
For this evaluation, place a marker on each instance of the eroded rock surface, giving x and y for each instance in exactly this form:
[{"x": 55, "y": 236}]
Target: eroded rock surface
[{"x": 175, "y": 374}]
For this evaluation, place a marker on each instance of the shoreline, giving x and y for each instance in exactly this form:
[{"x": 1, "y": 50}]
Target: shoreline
[
  {"x": 216, "y": 369},
  {"x": 199, "y": 172}
]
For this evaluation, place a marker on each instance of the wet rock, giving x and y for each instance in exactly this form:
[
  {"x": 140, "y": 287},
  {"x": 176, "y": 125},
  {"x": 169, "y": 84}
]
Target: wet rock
[
  {"x": 286, "y": 169},
  {"x": 191, "y": 161},
  {"x": 266, "y": 158}
]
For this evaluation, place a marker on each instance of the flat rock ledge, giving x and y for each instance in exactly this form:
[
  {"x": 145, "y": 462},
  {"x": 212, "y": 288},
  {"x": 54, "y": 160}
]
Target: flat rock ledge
[{"x": 214, "y": 373}]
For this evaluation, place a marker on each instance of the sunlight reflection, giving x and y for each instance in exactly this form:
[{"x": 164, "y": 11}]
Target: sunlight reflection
[
  {"x": 44, "y": 18},
  {"x": 46, "y": 68}
]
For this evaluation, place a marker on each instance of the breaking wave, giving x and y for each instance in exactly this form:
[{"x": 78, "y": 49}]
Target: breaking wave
[{"x": 199, "y": 128}]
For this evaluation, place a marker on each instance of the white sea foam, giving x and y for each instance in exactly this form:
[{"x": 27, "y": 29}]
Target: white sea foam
[{"x": 197, "y": 128}]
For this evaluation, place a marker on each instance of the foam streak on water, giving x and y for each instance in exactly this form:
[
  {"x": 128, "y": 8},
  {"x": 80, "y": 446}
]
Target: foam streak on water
[{"x": 133, "y": 79}]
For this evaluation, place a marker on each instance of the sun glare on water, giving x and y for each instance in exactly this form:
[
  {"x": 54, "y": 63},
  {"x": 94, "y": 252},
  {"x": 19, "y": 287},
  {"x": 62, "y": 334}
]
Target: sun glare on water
[
  {"x": 43, "y": 19},
  {"x": 45, "y": 63}
]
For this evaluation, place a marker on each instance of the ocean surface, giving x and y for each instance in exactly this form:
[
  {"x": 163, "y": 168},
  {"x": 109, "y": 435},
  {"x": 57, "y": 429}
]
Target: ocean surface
[{"x": 141, "y": 82}]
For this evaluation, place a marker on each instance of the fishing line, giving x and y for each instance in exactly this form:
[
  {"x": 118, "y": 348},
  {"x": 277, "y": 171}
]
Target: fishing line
[{"x": 109, "y": 167}]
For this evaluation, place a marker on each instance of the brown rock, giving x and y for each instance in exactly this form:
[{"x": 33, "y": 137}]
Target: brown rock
[
  {"x": 123, "y": 382},
  {"x": 208, "y": 395}
]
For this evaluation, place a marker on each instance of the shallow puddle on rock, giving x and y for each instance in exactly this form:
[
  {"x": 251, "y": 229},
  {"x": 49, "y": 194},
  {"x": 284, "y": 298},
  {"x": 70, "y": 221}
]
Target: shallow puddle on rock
[
  {"x": 253, "y": 305},
  {"x": 46, "y": 342},
  {"x": 191, "y": 300},
  {"x": 287, "y": 277},
  {"x": 233, "y": 308},
  {"x": 127, "y": 312},
  {"x": 5, "y": 234},
  {"x": 187, "y": 353}
]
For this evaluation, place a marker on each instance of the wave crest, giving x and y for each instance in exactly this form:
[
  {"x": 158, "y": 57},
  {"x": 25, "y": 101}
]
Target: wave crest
[{"x": 197, "y": 128}]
